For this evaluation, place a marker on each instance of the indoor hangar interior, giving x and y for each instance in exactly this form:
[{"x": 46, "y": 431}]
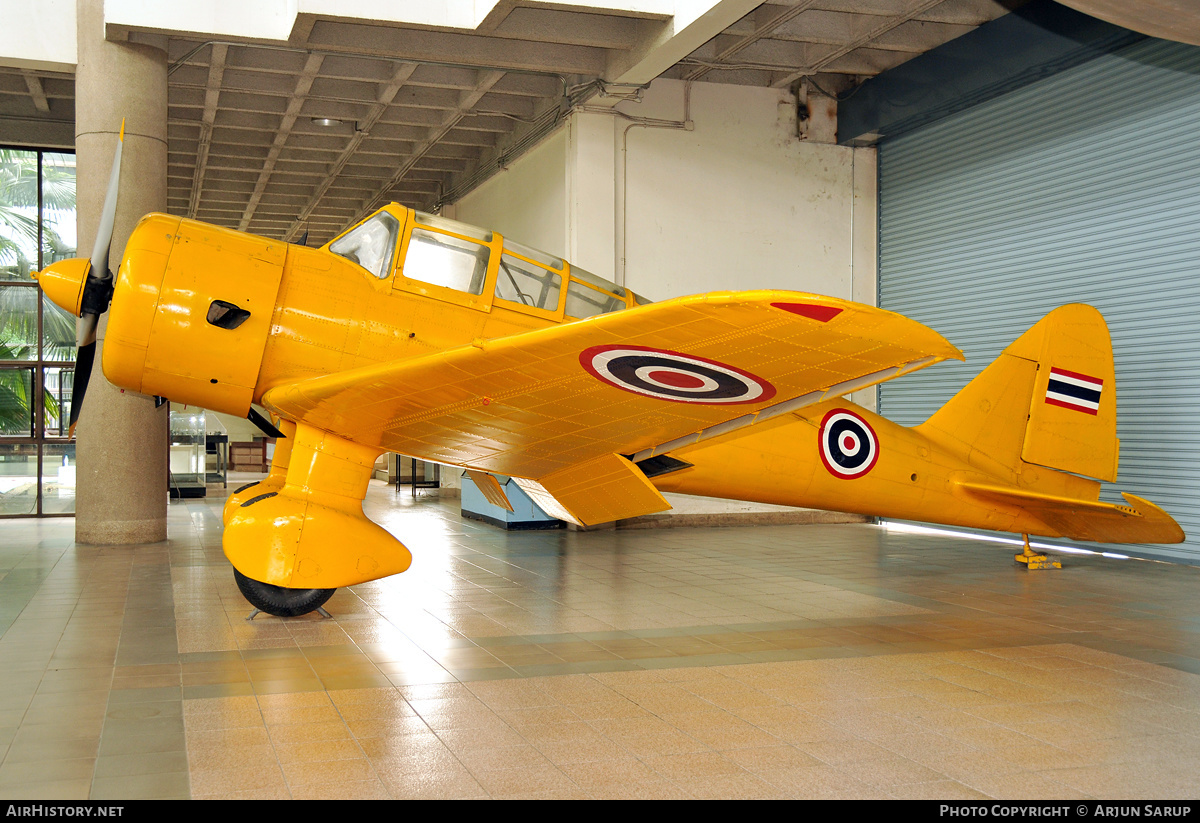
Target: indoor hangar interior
[{"x": 969, "y": 164}]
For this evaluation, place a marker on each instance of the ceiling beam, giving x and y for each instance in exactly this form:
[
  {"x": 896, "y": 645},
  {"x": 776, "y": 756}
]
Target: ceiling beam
[
  {"x": 664, "y": 44},
  {"x": 36, "y": 92},
  {"x": 466, "y": 104},
  {"x": 303, "y": 83},
  {"x": 884, "y": 27},
  {"x": 212, "y": 94},
  {"x": 387, "y": 94},
  {"x": 758, "y": 33}
]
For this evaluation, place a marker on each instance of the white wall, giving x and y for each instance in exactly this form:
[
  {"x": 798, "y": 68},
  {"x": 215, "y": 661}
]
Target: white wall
[
  {"x": 38, "y": 35},
  {"x": 591, "y": 192},
  {"x": 736, "y": 202},
  {"x": 739, "y": 202},
  {"x": 527, "y": 202}
]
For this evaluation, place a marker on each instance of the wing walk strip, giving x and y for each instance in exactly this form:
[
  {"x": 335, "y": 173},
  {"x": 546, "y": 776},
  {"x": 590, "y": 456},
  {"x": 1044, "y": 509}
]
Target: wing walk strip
[{"x": 796, "y": 403}]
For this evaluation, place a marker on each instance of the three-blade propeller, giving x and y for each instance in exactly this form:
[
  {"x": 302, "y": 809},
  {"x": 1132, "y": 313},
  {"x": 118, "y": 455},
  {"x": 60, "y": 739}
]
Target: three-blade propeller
[{"x": 97, "y": 289}]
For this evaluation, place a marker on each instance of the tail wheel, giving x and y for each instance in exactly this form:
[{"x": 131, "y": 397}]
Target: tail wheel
[{"x": 279, "y": 601}]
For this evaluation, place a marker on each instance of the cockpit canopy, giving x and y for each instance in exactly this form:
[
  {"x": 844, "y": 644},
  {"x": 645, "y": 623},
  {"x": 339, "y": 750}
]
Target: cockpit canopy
[
  {"x": 371, "y": 244},
  {"x": 430, "y": 250}
]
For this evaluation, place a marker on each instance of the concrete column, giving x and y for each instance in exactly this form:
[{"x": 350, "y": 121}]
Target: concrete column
[{"x": 121, "y": 492}]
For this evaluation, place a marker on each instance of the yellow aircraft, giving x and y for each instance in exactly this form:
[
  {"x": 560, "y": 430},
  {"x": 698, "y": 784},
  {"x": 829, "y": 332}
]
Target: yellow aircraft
[{"x": 420, "y": 335}]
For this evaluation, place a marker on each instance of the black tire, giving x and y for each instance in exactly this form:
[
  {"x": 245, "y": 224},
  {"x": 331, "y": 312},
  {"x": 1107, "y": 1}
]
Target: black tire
[{"x": 279, "y": 601}]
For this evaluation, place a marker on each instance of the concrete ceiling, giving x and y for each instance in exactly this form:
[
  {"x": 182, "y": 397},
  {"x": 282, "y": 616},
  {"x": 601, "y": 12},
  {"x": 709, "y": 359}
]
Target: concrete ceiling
[{"x": 424, "y": 113}]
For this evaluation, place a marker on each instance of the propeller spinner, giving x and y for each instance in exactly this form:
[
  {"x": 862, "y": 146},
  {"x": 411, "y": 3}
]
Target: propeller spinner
[{"x": 85, "y": 287}]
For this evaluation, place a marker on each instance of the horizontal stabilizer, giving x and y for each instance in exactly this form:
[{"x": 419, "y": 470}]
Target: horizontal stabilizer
[
  {"x": 1139, "y": 522},
  {"x": 599, "y": 491}
]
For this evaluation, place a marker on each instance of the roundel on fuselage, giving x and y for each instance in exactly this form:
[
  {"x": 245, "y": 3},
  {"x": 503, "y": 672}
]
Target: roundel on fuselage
[{"x": 848, "y": 445}]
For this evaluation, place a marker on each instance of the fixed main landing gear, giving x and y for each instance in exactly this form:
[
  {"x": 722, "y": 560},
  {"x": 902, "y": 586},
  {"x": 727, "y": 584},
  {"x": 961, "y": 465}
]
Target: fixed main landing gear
[
  {"x": 279, "y": 601},
  {"x": 303, "y": 528}
]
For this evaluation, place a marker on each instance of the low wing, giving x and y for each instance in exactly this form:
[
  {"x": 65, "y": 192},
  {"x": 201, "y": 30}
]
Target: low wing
[{"x": 536, "y": 404}]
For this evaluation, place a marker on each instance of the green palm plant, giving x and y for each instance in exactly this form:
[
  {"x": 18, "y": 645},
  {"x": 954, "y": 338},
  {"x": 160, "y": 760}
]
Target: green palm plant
[
  {"x": 18, "y": 331},
  {"x": 19, "y": 189},
  {"x": 19, "y": 235},
  {"x": 16, "y": 408}
]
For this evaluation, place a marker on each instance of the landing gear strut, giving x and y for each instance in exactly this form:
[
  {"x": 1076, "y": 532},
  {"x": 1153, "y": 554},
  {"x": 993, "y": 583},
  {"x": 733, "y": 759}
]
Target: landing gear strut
[{"x": 279, "y": 601}]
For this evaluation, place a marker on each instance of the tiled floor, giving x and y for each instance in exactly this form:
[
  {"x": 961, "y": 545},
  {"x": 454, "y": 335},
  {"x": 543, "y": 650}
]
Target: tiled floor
[{"x": 782, "y": 661}]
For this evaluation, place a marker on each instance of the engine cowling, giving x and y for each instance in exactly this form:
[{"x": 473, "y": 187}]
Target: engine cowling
[{"x": 191, "y": 312}]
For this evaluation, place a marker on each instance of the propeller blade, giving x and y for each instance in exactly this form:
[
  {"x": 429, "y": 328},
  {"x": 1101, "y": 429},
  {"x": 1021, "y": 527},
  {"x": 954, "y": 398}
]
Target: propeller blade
[
  {"x": 85, "y": 330},
  {"x": 83, "y": 373},
  {"x": 97, "y": 289},
  {"x": 108, "y": 215}
]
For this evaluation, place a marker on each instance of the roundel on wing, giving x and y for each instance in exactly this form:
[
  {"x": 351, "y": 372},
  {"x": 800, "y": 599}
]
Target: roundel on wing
[
  {"x": 670, "y": 375},
  {"x": 848, "y": 444}
]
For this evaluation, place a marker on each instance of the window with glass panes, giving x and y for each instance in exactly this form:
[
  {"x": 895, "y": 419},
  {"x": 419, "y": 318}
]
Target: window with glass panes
[{"x": 37, "y": 339}]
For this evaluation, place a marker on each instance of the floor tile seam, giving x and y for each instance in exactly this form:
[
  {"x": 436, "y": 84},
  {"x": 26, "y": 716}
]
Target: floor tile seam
[
  {"x": 21, "y": 723},
  {"x": 743, "y": 771},
  {"x": 802, "y": 653},
  {"x": 270, "y": 741},
  {"x": 78, "y": 594},
  {"x": 632, "y": 753},
  {"x": 699, "y": 630},
  {"x": 851, "y": 585},
  {"x": 136, "y": 578},
  {"x": 351, "y": 735},
  {"x": 1105, "y": 644},
  {"x": 1038, "y": 772},
  {"x": 475, "y": 775},
  {"x": 1050, "y": 639}
]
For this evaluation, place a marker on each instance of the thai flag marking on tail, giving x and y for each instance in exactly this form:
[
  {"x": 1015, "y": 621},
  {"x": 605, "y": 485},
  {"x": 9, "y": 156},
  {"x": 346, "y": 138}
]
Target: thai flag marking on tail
[{"x": 1073, "y": 390}]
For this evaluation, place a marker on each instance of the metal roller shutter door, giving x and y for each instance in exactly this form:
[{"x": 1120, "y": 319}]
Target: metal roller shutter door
[{"x": 1083, "y": 187}]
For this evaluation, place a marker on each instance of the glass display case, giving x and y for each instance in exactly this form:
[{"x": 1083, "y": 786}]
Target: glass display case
[
  {"x": 216, "y": 451},
  {"x": 188, "y": 470}
]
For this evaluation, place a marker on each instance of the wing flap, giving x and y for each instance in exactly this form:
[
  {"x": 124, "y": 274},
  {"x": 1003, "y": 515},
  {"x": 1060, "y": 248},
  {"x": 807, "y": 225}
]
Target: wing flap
[
  {"x": 539, "y": 402},
  {"x": 601, "y": 490}
]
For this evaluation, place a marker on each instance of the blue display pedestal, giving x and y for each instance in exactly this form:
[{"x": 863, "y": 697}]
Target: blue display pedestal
[{"x": 525, "y": 514}]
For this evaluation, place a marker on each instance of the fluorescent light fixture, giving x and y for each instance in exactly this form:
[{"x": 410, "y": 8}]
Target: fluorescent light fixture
[{"x": 326, "y": 121}]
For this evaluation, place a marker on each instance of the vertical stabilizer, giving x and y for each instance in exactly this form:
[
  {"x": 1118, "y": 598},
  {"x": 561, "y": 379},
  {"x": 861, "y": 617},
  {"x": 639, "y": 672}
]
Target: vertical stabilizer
[
  {"x": 1073, "y": 411},
  {"x": 1049, "y": 399}
]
